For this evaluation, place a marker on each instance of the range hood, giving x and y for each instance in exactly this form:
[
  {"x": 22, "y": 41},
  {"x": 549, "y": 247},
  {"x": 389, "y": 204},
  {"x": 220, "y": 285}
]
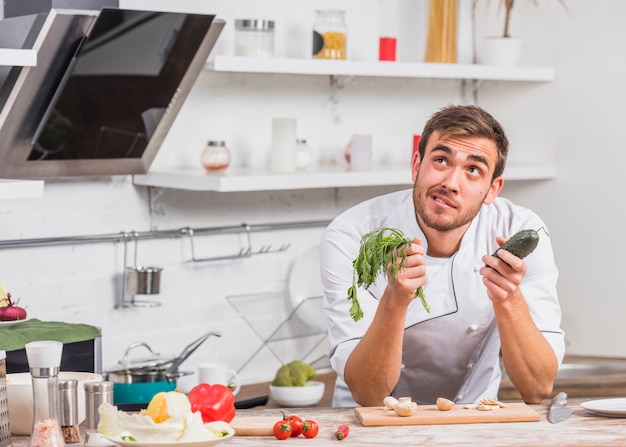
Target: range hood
[{"x": 105, "y": 91}]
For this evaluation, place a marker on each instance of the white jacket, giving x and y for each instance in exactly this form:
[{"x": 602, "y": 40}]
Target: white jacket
[{"x": 453, "y": 351}]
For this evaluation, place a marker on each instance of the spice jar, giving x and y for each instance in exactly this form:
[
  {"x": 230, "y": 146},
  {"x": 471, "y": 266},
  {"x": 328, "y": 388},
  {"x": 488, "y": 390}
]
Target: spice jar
[
  {"x": 254, "y": 38},
  {"x": 329, "y": 34},
  {"x": 68, "y": 397},
  {"x": 44, "y": 361},
  {"x": 304, "y": 154},
  {"x": 96, "y": 393},
  {"x": 215, "y": 156}
]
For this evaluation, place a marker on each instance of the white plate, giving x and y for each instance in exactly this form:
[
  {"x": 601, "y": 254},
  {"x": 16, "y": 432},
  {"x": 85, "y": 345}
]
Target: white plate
[
  {"x": 168, "y": 444},
  {"x": 607, "y": 407},
  {"x": 4, "y": 324},
  {"x": 304, "y": 279}
]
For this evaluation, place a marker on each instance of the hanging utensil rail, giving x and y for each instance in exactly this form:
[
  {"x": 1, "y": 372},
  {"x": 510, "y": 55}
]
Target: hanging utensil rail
[{"x": 165, "y": 234}]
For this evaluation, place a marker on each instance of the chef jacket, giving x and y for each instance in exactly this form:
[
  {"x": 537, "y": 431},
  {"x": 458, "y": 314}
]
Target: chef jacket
[{"x": 453, "y": 351}]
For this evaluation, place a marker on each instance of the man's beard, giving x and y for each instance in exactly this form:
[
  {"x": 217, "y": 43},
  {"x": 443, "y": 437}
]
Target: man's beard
[{"x": 431, "y": 220}]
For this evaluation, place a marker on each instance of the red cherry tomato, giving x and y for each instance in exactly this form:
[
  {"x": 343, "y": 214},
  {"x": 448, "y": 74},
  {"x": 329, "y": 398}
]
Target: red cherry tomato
[
  {"x": 282, "y": 429},
  {"x": 296, "y": 423},
  {"x": 310, "y": 428}
]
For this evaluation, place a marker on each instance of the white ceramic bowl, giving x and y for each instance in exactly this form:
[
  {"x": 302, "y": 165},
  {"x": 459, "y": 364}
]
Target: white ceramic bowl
[
  {"x": 20, "y": 398},
  {"x": 298, "y": 396}
]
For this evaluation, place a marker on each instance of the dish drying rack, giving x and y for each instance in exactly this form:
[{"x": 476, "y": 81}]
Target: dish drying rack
[{"x": 305, "y": 324}]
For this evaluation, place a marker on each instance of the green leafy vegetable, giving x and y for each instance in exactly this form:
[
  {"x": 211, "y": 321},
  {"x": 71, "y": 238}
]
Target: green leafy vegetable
[{"x": 378, "y": 250}]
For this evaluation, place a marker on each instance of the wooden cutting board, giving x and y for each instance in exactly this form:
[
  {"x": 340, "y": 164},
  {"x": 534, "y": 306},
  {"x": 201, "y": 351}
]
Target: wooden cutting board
[
  {"x": 254, "y": 425},
  {"x": 431, "y": 415}
]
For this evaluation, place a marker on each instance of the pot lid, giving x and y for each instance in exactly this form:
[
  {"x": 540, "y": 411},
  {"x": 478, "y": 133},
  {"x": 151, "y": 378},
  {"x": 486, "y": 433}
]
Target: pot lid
[{"x": 154, "y": 361}]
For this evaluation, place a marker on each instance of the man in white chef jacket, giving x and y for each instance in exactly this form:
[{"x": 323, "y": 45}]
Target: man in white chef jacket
[{"x": 480, "y": 306}]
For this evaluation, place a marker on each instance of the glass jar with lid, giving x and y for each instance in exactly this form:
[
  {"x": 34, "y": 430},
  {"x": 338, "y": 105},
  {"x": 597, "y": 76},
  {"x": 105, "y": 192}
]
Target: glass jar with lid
[
  {"x": 304, "y": 154},
  {"x": 215, "y": 156},
  {"x": 254, "y": 38},
  {"x": 329, "y": 34}
]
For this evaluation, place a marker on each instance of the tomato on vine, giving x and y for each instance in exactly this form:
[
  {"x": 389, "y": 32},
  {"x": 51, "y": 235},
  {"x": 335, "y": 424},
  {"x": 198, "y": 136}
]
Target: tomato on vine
[
  {"x": 296, "y": 423},
  {"x": 282, "y": 429},
  {"x": 310, "y": 428}
]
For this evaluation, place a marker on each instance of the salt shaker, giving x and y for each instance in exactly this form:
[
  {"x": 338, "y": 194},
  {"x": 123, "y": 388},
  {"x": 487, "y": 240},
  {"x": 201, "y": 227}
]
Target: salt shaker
[
  {"x": 5, "y": 430},
  {"x": 44, "y": 361},
  {"x": 68, "y": 396},
  {"x": 96, "y": 393}
]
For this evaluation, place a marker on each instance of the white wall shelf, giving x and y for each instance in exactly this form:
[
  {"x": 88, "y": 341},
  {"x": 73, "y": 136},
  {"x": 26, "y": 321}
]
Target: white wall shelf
[
  {"x": 242, "y": 179},
  {"x": 17, "y": 57},
  {"x": 21, "y": 189},
  {"x": 239, "y": 64}
]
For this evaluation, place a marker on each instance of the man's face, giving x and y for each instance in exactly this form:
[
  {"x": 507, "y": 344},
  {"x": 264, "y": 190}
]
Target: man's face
[{"x": 454, "y": 180}]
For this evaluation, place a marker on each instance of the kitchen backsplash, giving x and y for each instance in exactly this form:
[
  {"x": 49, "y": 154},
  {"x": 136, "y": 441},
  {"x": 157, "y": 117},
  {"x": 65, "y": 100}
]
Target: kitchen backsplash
[{"x": 79, "y": 283}]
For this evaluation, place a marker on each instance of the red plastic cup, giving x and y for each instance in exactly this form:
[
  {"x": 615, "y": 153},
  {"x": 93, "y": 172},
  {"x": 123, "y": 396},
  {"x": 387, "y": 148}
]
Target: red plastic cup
[{"x": 387, "y": 49}]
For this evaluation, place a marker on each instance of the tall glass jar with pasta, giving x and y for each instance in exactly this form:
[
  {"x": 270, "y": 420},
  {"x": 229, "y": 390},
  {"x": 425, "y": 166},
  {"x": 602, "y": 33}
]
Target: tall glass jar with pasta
[
  {"x": 329, "y": 34},
  {"x": 442, "y": 31}
]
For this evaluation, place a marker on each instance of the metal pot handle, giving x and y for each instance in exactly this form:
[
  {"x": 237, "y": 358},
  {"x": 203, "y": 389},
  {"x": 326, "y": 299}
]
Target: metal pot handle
[
  {"x": 189, "y": 350},
  {"x": 172, "y": 376}
]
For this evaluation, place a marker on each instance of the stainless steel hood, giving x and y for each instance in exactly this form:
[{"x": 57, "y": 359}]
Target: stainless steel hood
[{"x": 105, "y": 91}]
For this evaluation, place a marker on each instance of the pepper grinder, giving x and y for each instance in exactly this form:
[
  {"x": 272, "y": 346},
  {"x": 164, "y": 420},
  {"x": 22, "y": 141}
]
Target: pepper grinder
[
  {"x": 44, "y": 361},
  {"x": 96, "y": 393},
  {"x": 68, "y": 396}
]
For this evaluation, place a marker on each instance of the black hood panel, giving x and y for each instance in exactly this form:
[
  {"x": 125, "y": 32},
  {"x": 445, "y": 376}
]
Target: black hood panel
[{"x": 105, "y": 91}]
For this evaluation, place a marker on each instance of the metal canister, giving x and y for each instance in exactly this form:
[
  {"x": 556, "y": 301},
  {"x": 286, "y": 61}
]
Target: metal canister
[
  {"x": 68, "y": 402},
  {"x": 96, "y": 393},
  {"x": 5, "y": 430}
]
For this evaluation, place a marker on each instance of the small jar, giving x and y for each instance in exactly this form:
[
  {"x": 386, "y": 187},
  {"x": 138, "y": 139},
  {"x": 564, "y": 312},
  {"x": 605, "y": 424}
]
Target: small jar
[
  {"x": 304, "y": 154},
  {"x": 254, "y": 38},
  {"x": 68, "y": 400},
  {"x": 329, "y": 34},
  {"x": 215, "y": 156}
]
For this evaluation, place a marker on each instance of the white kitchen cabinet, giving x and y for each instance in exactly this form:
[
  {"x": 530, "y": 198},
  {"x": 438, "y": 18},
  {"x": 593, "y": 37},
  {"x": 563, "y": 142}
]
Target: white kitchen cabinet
[{"x": 332, "y": 176}]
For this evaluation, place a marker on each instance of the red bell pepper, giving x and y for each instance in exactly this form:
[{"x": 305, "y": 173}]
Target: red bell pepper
[{"x": 214, "y": 402}]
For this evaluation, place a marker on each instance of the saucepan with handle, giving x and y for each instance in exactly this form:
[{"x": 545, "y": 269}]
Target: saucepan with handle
[{"x": 137, "y": 379}]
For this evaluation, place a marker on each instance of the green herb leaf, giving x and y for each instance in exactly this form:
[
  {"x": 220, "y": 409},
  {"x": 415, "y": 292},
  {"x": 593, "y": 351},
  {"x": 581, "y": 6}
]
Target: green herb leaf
[{"x": 377, "y": 251}]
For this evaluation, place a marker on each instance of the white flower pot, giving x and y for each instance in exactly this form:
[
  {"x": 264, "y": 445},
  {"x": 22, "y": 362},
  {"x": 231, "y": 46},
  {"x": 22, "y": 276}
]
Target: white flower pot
[{"x": 500, "y": 51}]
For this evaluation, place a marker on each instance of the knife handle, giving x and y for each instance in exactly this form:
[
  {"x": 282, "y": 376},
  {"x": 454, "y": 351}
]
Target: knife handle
[{"x": 560, "y": 399}]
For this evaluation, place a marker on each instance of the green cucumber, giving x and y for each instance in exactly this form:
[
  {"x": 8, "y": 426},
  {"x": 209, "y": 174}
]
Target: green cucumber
[{"x": 522, "y": 243}]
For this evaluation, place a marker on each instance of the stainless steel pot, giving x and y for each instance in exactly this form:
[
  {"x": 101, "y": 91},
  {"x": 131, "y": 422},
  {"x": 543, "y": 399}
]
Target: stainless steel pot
[{"x": 138, "y": 379}]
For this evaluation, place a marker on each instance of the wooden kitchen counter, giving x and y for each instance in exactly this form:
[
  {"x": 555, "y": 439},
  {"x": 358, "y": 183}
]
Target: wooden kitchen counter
[{"x": 581, "y": 429}]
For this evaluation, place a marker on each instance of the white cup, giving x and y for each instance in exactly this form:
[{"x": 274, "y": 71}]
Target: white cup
[
  {"x": 361, "y": 152},
  {"x": 214, "y": 373},
  {"x": 283, "y": 153}
]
